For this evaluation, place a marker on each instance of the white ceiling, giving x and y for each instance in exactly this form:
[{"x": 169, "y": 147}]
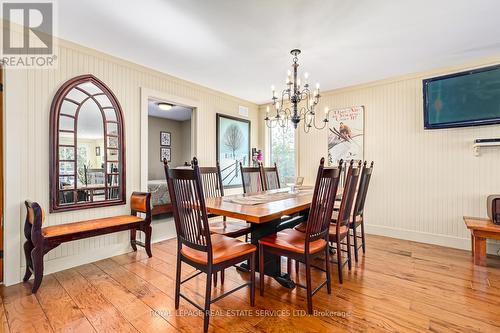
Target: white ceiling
[
  {"x": 243, "y": 47},
  {"x": 178, "y": 113}
]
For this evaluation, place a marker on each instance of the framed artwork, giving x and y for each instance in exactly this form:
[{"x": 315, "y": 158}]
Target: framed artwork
[
  {"x": 165, "y": 139},
  {"x": 233, "y": 147},
  {"x": 97, "y": 151},
  {"x": 346, "y": 134},
  {"x": 165, "y": 152}
]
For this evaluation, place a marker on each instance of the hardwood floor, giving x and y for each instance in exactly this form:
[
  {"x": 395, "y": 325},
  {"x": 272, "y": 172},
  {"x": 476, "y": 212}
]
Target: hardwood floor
[{"x": 397, "y": 286}]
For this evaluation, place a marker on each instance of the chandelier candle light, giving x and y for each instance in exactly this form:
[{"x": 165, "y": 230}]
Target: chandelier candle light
[{"x": 302, "y": 103}]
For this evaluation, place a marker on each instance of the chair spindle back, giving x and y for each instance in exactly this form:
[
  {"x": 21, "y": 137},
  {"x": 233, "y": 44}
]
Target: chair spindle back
[
  {"x": 271, "y": 178},
  {"x": 364, "y": 181},
  {"x": 188, "y": 202},
  {"x": 325, "y": 191},
  {"x": 211, "y": 181},
  {"x": 252, "y": 179},
  {"x": 348, "y": 195}
]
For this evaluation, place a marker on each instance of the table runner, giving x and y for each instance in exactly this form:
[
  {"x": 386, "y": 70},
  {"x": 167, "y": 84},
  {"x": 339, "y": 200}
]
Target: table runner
[{"x": 262, "y": 198}]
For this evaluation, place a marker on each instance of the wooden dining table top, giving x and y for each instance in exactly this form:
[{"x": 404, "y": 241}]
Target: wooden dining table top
[{"x": 260, "y": 213}]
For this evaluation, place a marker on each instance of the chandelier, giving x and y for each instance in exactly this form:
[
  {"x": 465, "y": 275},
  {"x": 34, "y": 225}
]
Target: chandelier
[{"x": 297, "y": 102}]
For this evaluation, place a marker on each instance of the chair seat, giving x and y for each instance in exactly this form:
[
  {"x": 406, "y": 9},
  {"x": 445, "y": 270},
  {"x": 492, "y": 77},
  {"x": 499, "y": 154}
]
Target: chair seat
[
  {"x": 90, "y": 225},
  {"x": 293, "y": 241},
  {"x": 224, "y": 248},
  {"x": 231, "y": 228},
  {"x": 335, "y": 214},
  {"x": 333, "y": 229}
]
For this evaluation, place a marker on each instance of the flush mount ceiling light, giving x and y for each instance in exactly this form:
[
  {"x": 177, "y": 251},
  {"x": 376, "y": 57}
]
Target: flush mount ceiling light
[{"x": 164, "y": 106}]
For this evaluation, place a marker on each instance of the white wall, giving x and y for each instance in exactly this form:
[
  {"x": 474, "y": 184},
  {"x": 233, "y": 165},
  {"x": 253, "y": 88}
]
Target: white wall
[
  {"x": 180, "y": 148},
  {"x": 424, "y": 181},
  {"x": 28, "y": 95}
]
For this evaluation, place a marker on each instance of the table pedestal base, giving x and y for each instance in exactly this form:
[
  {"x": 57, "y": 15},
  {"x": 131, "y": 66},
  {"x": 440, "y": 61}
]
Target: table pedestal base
[
  {"x": 282, "y": 278},
  {"x": 272, "y": 264}
]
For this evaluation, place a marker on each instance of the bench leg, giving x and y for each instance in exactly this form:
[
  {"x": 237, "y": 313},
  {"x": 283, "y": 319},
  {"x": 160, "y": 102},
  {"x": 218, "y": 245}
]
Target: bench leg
[
  {"x": 148, "y": 230},
  {"x": 37, "y": 260},
  {"x": 133, "y": 235},
  {"x": 28, "y": 247}
]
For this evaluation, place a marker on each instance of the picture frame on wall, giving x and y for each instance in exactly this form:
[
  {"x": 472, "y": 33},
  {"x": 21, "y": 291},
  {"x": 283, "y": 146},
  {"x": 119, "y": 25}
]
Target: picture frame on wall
[
  {"x": 346, "y": 131},
  {"x": 165, "y": 152},
  {"x": 233, "y": 147},
  {"x": 165, "y": 138}
]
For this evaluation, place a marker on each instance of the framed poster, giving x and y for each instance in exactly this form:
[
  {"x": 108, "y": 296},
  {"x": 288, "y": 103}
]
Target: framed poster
[
  {"x": 165, "y": 153},
  {"x": 233, "y": 147},
  {"x": 165, "y": 139},
  {"x": 346, "y": 134}
]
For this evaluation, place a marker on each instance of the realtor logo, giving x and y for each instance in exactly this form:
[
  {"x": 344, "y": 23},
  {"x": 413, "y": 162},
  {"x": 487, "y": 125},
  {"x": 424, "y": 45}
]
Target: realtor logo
[{"x": 28, "y": 34}]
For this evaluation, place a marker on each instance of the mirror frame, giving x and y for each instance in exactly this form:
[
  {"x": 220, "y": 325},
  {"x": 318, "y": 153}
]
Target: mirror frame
[{"x": 55, "y": 111}]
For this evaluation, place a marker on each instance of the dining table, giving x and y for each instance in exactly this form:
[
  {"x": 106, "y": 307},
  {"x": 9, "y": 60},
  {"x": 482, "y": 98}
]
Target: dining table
[{"x": 267, "y": 212}]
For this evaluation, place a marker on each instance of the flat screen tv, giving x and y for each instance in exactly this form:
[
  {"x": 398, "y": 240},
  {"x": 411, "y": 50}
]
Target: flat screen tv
[{"x": 463, "y": 99}]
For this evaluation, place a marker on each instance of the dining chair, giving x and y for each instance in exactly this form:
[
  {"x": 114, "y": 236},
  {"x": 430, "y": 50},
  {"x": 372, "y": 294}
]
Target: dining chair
[
  {"x": 339, "y": 228},
  {"x": 252, "y": 179},
  {"x": 343, "y": 179},
  {"x": 357, "y": 217},
  {"x": 211, "y": 181},
  {"x": 271, "y": 178},
  {"x": 208, "y": 253},
  {"x": 304, "y": 247}
]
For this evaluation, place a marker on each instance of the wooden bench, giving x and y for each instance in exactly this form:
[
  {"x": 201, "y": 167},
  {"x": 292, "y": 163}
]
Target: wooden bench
[
  {"x": 481, "y": 229},
  {"x": 40, "y": 241}
]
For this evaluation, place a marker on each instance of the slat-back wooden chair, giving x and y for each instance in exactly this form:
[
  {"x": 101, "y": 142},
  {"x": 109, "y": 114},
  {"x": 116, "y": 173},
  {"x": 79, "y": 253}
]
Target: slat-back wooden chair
[
  {"x": 211, "y": 181},
  {"x": 304, "y": 247},
  {"x": 339, "y": 230},
  {"x": 252, "y": 179},
  {"x": 343, "y": 179},
  {"x": 271, "y": 177},
  {"x": 208, "y": 253},
  {"x": 357, "y": 218}
]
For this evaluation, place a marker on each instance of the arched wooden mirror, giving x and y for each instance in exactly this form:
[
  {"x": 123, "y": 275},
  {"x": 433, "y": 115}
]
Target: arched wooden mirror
[{"x": 87, "y": 146}]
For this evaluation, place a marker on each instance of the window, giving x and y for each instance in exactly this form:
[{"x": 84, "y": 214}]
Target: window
[{"x": 282, "y": 149}]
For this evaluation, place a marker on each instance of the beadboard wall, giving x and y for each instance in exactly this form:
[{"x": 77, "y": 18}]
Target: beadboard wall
[
  {"x": 28, "y": 95},
  {"x": 424, "y": 181}
]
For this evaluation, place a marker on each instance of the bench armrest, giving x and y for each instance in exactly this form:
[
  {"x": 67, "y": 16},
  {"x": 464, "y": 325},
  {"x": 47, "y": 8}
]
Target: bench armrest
[{"x": 140, "y": 202}]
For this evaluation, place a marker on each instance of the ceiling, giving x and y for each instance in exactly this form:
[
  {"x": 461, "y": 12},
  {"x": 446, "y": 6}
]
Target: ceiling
[
  {"x": 178, "y": 113},
  {"x": 242, "y": 48}
]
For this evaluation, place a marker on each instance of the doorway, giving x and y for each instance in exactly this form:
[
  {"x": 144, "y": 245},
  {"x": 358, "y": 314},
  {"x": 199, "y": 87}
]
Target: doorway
[
  {"x": 163, "y": 225},
  {"x": 169, "y": 138}
]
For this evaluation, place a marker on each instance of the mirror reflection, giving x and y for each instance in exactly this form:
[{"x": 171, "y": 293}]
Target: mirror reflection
[{"x": 88, "y": 146}]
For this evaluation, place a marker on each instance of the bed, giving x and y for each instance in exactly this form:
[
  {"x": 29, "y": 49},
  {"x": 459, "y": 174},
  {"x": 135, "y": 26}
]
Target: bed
[{"x": 160, "y": 199}]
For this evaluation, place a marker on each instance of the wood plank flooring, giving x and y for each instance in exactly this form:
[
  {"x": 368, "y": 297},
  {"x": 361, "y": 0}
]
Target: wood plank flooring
[{"x": 398, "y": 286}]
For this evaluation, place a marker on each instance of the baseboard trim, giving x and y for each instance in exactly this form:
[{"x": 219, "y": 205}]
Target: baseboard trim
[{"x": 428, "y": 238}]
